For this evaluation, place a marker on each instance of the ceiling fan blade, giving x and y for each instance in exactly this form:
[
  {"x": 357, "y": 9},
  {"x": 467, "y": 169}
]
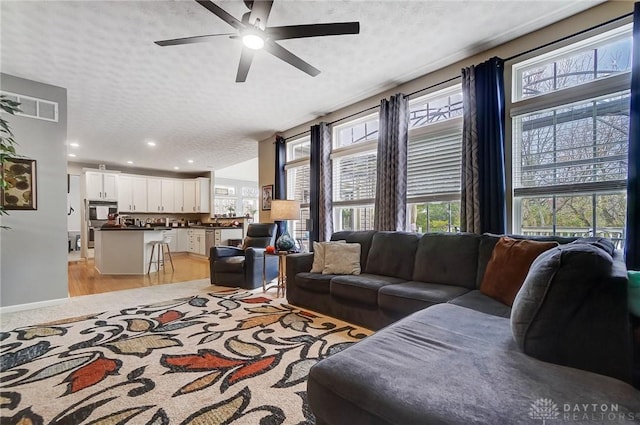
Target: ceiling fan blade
[
  {"x": 260, "y": 10},
  {"x": 221, "y": 13},
  {"x": 282, "y": 53},
  {"x": 245, "y": 63},
  {"x": 313, "y": 30},
  {"x": 191, "y": 40}
]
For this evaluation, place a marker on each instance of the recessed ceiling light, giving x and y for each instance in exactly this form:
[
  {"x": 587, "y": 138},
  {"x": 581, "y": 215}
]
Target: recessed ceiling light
[
  {"x": 72, "y": 155},
  {"x": 176, "y": 168},
  {"x": 129, "y": 162},
  {"x": 190, "y": 161},
  {"x": 74, "y": 145},
  {"x": 151, "y": 143}
]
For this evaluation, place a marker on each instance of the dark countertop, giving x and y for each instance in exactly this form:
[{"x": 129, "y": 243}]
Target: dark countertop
[
  {"x": 129, "y": 228},
  {"x": 205, "y": 226}
]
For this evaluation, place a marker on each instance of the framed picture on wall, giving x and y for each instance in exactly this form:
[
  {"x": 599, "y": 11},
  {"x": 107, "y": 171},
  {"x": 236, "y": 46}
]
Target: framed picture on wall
[
  {"x": 20, "y": 191},
  {"x": 267, "y": 196}
]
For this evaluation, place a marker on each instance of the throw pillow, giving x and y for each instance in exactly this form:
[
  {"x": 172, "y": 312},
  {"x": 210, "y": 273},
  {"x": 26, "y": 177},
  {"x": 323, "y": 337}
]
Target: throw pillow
[
  {"x": 508, "y": 267},
  {"x": 572, "y": 311},
  {"x": 342, "y": 259},
  {"x": 318, "y": 255}
]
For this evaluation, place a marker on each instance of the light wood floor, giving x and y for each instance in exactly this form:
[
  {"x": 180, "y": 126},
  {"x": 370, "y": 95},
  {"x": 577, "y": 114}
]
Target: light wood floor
[{"x": 85, "y": 280}]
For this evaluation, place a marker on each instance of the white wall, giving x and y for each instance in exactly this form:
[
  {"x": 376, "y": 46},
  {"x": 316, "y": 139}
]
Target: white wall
[
  {"x": 33, "y": 254},
  {"x": 73, "y": 204}
]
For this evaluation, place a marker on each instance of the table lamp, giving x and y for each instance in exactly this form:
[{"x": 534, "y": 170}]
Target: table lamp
[{"x": 282, "y": 210}]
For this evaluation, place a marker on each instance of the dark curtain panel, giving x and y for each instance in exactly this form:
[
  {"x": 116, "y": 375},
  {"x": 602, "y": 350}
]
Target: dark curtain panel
[
  {"x": 632, "y": 243},
  {"x": 280, "y": 180},
  {"x": 321, "y": 213},
  {"x": 391, "y": 174},
  {"x": 483, "y": 200}
]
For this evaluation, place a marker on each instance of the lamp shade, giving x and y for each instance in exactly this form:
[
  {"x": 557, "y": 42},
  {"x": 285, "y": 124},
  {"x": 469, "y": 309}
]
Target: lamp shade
[{"x": 285, "y": 210}]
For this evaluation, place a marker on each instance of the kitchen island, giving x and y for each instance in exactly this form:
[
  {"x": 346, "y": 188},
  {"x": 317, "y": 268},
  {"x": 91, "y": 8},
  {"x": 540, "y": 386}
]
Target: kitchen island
[{"x": 125, "y": 250}]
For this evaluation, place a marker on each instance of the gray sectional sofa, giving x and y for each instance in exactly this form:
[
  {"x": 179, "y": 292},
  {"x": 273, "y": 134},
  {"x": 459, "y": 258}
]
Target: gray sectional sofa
[{"x": 448, "y": 354}]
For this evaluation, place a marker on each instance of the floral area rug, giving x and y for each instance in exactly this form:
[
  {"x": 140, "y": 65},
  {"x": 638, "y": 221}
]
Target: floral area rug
[{"x": 225, "y": 357}]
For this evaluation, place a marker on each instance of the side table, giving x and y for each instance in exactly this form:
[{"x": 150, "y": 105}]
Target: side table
[{"x": 281, "y": 283}]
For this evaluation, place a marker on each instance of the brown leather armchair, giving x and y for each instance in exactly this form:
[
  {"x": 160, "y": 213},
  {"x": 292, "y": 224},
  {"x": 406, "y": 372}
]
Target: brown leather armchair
[{"x": 242, "y": 267}]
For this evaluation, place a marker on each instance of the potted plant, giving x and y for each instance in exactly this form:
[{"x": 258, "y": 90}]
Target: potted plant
[{"x": 7, "y": 142}]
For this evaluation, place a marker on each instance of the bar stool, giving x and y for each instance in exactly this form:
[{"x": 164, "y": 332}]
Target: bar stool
[{"x": 161, "y": 245}]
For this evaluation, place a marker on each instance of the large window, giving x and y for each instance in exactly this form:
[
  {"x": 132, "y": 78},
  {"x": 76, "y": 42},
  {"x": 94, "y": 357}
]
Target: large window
[
  {"x": 570, "y": 119},
  {"x": 354, "y": 161},
  {"x": 433, "y": 162},
  {"x": 298, "y": 187}
]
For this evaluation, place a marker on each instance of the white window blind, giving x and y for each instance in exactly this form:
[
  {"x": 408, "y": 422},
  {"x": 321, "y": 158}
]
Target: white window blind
[
  {"x": 298, "y": 184},
  {"x": 354, "y": 177},
  {"x": 433, "y": 167}
]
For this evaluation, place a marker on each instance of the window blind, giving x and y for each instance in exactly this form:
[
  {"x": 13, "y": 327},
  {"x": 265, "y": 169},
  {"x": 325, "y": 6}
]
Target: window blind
[
  {"x": 433, "y": 165},
  {"x": 298, "y": 183},
  {"x": 354, "y": 177}
]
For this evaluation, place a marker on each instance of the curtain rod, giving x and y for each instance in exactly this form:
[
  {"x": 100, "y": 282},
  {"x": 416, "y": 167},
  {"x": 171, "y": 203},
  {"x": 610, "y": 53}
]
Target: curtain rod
[
  {"x": 459, "y": 76},
  {"x": 619, "y": 18}
]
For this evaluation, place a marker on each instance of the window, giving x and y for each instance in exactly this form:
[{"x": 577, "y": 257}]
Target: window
[
  {"x": 592, "y": 59},
  {"x": 355, "y": 132},
  {"x": 570, "y": 119},
  {"x": 224, "y": 206},
  {"x": 436, "y": 107},
  {"x": 354, "y": 161},
  {"x": 433, "y": 162},
  {"x": 298, "y": 186},
  {"x": 33, "y": 107}
]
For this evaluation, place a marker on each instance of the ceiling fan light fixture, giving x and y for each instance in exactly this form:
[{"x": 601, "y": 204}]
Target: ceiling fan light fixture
[{"x": 253, "y": 41}]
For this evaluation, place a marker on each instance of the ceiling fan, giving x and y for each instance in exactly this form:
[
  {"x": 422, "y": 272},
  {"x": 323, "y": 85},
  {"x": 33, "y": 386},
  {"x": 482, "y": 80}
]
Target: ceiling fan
[{"x": 255, "y": 34}]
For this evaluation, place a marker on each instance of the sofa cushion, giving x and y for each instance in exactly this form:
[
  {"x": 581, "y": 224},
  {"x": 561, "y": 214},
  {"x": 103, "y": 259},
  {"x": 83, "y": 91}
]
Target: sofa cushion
[
  {"x": 363, "y": 237},
  {"x": 229, "y": 264},
  {"x": 509, "y": 265},
  {"x": 476, "y": 300},
  {"x": 408, "y": 297},
  {"x": 362, "y": 289},
  {"x": 605, "y": 244},
  {"x": 315, "y": 282},
  {"x": 319, "y": 255},
  {"x": 342, "y": 258},
  {"x": 449, "y": 365},
  {"x": 448, "y": 259},
  {"x": 489, "y": 240},
  {"x": 571, "y": 313},
  {"x": 392, "y": 254}
]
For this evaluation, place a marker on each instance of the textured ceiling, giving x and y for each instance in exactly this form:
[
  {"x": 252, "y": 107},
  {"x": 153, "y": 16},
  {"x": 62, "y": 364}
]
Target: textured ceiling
[{"x": 124, "y": 90}]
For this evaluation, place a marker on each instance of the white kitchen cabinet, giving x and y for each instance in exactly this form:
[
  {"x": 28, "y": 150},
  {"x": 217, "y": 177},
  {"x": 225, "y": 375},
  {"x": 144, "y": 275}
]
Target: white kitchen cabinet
[
  {"x": 139, "y": 194},
  {"x": 125, "y": 194},
  {"x": 203, "y": 195},
  {"x": 189, "y": 196},
  {"x": 182, "y": 239},
  {"x": 178, "y": 196},
  {"x": 154, "y": 195},
  {"x": 197, "y": 241},
  {"x": 101, "y": 186},
  {"x": 167, "y": 196},
  {"x": 132, "y": 194}
]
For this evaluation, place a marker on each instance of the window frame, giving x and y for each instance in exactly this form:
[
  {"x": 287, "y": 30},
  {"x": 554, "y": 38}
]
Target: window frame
[{"x": 610, "y": 86}]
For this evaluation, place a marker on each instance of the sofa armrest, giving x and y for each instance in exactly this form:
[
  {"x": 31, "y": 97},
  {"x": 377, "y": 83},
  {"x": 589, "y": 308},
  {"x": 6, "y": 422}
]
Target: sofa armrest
[
  {"x": 298, "y": 263},
  {"x": 224, "y": 251},
  {"x": 254, "y": 264}
]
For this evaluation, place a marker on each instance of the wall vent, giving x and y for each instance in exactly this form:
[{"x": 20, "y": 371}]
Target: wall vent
[{"x": 34, "y": 108}]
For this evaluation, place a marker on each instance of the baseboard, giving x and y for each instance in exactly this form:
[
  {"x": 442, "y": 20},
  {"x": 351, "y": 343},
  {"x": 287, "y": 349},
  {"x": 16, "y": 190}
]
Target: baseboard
[{"x": 32, "y": 306}]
